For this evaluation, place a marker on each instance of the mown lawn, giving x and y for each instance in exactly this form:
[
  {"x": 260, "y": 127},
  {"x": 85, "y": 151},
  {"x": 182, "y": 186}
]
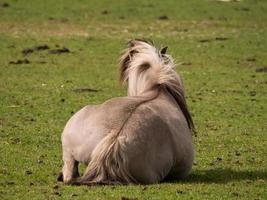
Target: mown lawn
[{"x": 57, "y": 56}]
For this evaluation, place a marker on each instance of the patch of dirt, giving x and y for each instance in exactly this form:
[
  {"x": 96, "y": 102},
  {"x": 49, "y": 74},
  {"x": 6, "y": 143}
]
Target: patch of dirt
[
  {"x": 59, "y": 50},
  {"x": 20, "y": 61},
  {"x": 64, "y": 20},
  {"x": 5, "y": 5},
  {"x": 204, "y": 40},
  {"x": 10, "y": 182},
  {"x": 41, "y": 62},
  {"x": 55, "y": 187},
  {"x": 27, "y": 51},
  {"x": 80, "y": 90},
  {"x": 41, "y": 47},
  {"x": 261, "y": 69},
  {"x": 61, "y": 20},
  {"x": 251, "y": 59},
  {"x": 252, "y": 93},
  {"x": 221, "y": 38},
  {"x": 163, "y": 17},
  {"x": 149, "y": 5},
  {"x": 28, "y": 172},
  {"x": 128, "y": 198},
  {"x": 215, "y": 39},
  {"x": 105, "y": 12},
  {"x": 246, "y": 9}
]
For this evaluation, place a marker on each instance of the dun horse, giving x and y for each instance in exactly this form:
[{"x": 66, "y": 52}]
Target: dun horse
[{"x": 143, "y": 138}]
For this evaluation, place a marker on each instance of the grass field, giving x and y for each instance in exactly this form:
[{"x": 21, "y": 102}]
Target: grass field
[{"x": 57, "y": 56}]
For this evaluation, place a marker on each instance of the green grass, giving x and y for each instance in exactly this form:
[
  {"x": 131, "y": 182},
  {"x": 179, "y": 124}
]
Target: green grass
[{"x": 226, "y": 95}]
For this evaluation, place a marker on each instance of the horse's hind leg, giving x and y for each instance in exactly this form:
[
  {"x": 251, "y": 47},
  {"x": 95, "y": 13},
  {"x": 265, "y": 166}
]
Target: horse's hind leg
[{"x": 70, "y": 168}]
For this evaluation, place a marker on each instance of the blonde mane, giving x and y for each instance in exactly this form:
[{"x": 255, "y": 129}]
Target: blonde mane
[{"x": 144, "y": 68}]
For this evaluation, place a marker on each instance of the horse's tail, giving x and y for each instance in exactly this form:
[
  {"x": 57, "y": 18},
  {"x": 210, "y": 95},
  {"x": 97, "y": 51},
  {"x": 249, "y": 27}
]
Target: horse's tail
[
  {"x": 108, "y": 163},
  {"x": 109, "y": 160}
]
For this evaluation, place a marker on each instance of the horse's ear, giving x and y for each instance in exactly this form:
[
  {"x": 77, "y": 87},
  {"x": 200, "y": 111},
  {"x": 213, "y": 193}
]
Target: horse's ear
[
  {"x": 131, "y": 43},
  {"x": 123, "y": 65},
  {"x": 125, "y": 59},
  {"x": 163, "y": 50}
]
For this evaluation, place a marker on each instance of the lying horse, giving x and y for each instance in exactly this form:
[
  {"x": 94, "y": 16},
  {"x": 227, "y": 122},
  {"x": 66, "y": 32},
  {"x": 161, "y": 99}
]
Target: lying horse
[{"x": 143, "y": 138}]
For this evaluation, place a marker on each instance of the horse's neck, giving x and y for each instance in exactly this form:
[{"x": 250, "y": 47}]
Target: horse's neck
[
  {"x": 148, "y": 94},
  {"x": 139, "y": 84}
]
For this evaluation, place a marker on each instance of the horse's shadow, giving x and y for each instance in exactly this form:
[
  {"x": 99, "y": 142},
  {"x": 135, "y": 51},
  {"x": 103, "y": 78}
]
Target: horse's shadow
[{"x": 224, "y": 175}]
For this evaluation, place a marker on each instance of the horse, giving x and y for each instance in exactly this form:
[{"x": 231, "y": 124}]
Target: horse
[{"x": 142, "y": 138}]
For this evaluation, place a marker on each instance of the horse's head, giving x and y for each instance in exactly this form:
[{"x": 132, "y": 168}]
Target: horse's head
[
  {"x": 140, "y": 65},
  {"x": 145, "y": 68},
  {"x": 133, "y": 48}
]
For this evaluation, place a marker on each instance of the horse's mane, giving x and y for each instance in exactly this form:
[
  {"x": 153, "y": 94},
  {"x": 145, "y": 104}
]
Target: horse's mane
[
  {"x": 178, "y": 94},
  {"x": 144, "y": 67}
]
